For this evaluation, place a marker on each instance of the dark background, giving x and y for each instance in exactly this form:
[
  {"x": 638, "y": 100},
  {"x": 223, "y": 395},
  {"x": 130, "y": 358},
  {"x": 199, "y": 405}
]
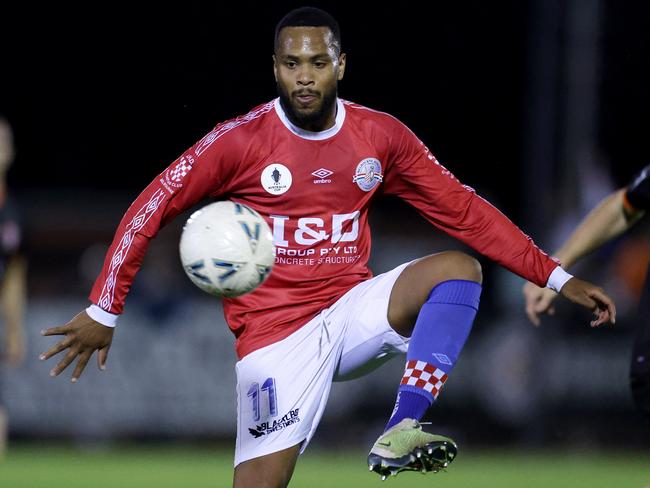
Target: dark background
[{"x": 104, "y": 96}]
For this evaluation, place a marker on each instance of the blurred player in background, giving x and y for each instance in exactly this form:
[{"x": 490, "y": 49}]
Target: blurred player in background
[
  {"x": 12, "y": 275},
  {"x": 614, "y": 215},
  {"x": 311, "y": 163}
]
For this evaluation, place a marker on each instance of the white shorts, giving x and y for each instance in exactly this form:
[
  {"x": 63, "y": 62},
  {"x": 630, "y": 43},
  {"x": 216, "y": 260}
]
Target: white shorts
[{"x": 282, "y": 388}]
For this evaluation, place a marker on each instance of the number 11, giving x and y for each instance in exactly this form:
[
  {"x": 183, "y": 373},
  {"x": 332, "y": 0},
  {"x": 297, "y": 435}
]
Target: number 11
[{"x": 254, "y": 393}]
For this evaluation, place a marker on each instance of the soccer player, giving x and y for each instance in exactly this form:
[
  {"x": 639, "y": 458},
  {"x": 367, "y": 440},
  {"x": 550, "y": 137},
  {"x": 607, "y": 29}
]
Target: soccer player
[
  {"x": 12, "y": 275},
  {"x": 614, "y": 215},
  {"x": 312, "y": 163}
]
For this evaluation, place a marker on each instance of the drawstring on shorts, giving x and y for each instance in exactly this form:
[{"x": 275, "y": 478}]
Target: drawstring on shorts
[{"x": 324, "y": 331}]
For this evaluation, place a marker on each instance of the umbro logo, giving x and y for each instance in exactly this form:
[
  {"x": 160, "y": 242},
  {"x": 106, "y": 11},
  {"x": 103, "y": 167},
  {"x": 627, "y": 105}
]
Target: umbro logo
[
  {"x": 322, "y": 175},
  {"x": 443, "y": 358}
]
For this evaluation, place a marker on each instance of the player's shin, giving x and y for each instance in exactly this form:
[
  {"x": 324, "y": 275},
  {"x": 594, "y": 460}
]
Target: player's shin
[{"x": 442, "y": 327}]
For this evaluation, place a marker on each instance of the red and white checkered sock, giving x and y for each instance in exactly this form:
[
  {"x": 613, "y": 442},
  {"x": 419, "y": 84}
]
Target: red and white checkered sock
[{"x": 440, "y": 332}]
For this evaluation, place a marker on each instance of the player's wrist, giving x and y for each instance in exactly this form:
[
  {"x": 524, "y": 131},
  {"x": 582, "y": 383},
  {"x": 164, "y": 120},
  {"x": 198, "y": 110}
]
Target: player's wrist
[
  {"x": 558, "y": 279},
  {"x": 101, "y": 316}
]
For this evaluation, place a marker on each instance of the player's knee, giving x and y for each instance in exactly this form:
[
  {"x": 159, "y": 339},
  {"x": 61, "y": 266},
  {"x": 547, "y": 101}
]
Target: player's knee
[
  {"x": 269, "y": 471},
  {"x": 461, "y": 266},
  {"x": 261, "y": 480}
]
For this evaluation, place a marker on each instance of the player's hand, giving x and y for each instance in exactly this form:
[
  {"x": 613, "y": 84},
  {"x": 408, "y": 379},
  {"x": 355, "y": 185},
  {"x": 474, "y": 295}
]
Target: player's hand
[
  {"x": 538, "y": 301},
  {"x": 83, "y": 336},
  {"x": 592, "y": 297}
]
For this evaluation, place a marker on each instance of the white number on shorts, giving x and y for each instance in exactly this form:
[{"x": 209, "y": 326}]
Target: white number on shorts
[{"x": 254, "y": 393}]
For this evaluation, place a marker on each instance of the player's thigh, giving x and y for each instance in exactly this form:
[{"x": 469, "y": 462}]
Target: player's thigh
[
  {"x": 271, "y": 471},
  {"x": 370, "y": 340},
  {"x": 282, "y": 390},
  {"x": 415, "y": 282}
]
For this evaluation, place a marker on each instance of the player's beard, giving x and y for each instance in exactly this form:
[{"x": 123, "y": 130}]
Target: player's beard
[{"x": 313, "y": 120}]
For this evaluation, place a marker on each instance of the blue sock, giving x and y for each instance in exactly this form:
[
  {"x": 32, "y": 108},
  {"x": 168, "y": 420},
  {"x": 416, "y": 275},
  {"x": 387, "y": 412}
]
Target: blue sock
[{"x": 442, "y": 327}]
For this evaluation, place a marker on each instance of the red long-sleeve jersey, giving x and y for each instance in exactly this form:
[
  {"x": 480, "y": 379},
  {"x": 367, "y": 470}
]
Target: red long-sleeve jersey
[{"x": 315, "y": 191}]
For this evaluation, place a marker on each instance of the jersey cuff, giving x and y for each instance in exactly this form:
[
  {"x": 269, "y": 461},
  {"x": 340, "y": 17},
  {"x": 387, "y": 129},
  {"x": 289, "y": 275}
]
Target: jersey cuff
[
  {"x": 558, "y": 279},
  {"x": 102, "y": 316}
]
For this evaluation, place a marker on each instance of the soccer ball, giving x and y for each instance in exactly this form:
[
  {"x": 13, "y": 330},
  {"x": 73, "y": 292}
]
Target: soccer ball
[{"x": 227, "y": 249}]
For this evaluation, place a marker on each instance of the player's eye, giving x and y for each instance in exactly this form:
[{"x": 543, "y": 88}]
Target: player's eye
[
  {"x": 290, "y": 64},
  {"x": 320, "y": 64}
]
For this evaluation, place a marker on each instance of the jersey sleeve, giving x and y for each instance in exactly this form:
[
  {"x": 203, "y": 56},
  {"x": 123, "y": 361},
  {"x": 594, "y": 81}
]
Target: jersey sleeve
[
  {"x": 414, "y": 175},
  {"x": 637, "y": 194},
  {"x": 203, "y": 170}
]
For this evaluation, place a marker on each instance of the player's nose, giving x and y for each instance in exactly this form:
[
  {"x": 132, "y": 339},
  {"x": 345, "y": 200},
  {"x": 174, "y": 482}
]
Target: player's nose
[{"x": 305, "y": 77}]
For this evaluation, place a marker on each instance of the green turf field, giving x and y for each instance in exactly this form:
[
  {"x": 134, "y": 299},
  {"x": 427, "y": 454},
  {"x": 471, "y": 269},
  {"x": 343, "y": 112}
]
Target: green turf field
[{"x": 177, "y": 467}]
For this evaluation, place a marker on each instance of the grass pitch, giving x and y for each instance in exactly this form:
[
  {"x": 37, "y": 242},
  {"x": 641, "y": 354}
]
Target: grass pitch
[{"x": 32, "y": 466}]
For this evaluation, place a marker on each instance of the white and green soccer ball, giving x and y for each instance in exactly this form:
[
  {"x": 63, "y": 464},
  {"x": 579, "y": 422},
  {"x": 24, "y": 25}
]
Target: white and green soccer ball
[{"x": 227, "y": 249}]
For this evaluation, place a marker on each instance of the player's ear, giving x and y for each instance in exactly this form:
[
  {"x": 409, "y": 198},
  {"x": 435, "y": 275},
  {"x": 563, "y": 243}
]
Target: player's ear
[
  {"x": 341, "y": 66},
  {"x": 275, "y": 68}
]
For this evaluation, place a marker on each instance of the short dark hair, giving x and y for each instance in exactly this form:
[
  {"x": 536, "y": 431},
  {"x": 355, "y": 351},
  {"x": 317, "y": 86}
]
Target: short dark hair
[{"x": 309, "y": 17}]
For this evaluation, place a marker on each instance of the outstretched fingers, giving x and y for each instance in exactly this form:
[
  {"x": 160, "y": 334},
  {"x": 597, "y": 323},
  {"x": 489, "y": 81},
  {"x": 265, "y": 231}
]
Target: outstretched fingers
[
  {"x": 65, "y": 362},
  {"x": 55, "y": 349},
  {"x": 84, "y": 356},
  {"x": 604, "y": 308},
  {"x": 592, "y": 297},
  {"x": 64, "y": 329},
  {"x": 102, "y": 356},
  {"x": 83, "y": 337}
]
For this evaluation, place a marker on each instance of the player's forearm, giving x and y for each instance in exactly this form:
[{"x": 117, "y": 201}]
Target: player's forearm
[
  {"x": 122, "y": 262},
  {"x": 602, "y": 224},
  {"x": 156, "y": 206},
  {"x": 490, "y": 232},
  {"x": 13, "y": 296}
]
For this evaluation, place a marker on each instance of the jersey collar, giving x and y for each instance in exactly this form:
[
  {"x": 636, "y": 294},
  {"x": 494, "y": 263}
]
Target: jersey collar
[{"x": 306, "y": 134}]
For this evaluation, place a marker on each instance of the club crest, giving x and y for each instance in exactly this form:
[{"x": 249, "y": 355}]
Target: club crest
[{"x": 368, "y": 174}]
